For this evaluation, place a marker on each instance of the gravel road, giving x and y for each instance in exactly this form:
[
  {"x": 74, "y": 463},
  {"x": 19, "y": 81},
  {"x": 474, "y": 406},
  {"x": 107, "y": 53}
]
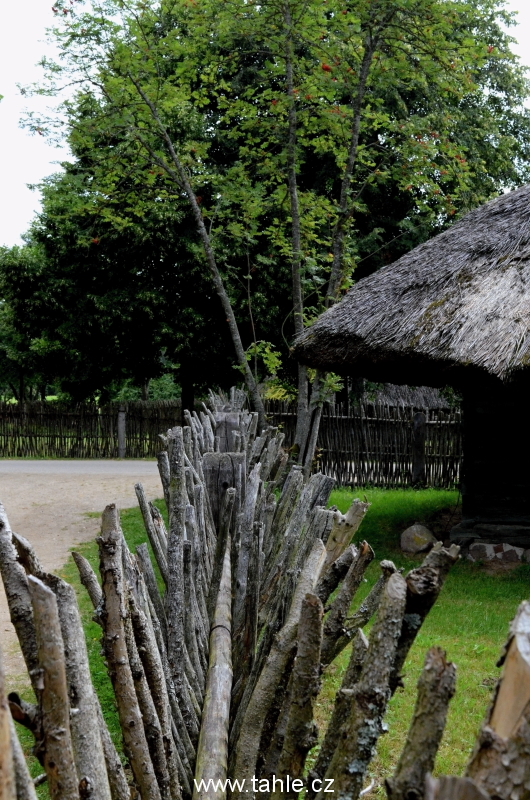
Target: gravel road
[{"x": 47, "y": 502}]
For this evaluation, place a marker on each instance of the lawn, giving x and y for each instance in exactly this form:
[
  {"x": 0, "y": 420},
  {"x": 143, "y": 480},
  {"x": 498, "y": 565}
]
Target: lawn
[{"x": 470, "y": 621}]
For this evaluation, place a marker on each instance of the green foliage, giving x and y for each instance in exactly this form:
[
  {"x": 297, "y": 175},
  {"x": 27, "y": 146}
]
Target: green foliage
[{"x": 174, "y": 91}]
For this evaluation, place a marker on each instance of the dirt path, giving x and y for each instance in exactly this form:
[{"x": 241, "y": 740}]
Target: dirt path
[{"x": 46, "y": 501}]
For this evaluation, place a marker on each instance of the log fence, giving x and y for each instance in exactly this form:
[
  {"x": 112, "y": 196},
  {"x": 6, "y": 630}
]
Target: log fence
[
  {"x": 369, "y": 444},
  {"x": 217, "y": 675}
]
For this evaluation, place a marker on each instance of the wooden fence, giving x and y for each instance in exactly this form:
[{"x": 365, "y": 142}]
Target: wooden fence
[
  {"x": 377, "y": 445},
  {"x": 57, "y": 430}
]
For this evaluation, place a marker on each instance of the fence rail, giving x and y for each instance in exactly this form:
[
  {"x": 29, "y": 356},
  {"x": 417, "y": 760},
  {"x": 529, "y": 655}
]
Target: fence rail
[{"x": 367, "y": 444}]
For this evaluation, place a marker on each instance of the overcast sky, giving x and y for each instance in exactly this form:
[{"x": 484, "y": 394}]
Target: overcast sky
[{"x": 26, "y": 159}]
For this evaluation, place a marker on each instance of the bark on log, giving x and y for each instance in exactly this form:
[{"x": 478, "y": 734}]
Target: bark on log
[
  {"x": 113, "y": 614},
  {"x": 84, "y": 727},
  {"x": 160, "y": 527},
  {"x": 345, "y": 526},
  {"x": 302, "y": 733},
  {"x": 18, "y": 598},
  {"x": 448, "y": 787},
  {"x": 8, "y": 784},
  {"x": 160, "y": 555},
  {"x": 190, "y": 633},
  {"x": 88, "y": 578},
  {"x": 146, "y": 568},
  {"x": 436, "y": 687},
  {"x": 212, "y": 751},
  {"x": 27, "y": 555},
  {"x": 180, "y": 732},
  {"x": 500, "y": 763},
  {"x": 244, "y": 640},
  {"x": 334, "y": 624},
  {"x": 335, "y": 573},
  {"x": 25, "y": 787},
  {"x": 119, "y": 788},
  {"x": 154, "y": 672},
  {"x": 340, "y": 715},
  {"x": 423, "y": 587},
  {"x": 366, "y": 610},
  {"x": 246, "y": 541},
  {"x": 55, "y": 709},
  {"x": 163, "y": 470},
  {"x": 176, "y": 646},
  {"x": 225, "y": 522},
  {"x": 220, "y": 473},
  {"x": 151, "y": 722},
  {"x": 356, "y": 746},
  {"x": 246, "y": 749}
]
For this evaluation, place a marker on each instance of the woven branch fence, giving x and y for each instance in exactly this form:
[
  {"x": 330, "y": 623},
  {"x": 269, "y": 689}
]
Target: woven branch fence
[{"x": 368, "y": 444}]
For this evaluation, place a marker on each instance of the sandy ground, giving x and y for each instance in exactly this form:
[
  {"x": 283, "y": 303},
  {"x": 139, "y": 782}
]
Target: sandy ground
[{"x": 47, "y": 502}]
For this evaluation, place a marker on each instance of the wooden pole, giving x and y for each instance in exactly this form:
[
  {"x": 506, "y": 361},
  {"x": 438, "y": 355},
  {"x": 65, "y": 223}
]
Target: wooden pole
[
  {"x": 122, "y": 441},
  {"x": 59, "y": 761},
  {"x": 8, "y": 788},
  {"x": 302, "y": 734},
  {"x": 360, "y": 734},
  {"x": 113, "y": 614},
  {"x": 436, "y": 687},
  {"x": 419, "y": 432},
  {"x": 212, "y": 750}
]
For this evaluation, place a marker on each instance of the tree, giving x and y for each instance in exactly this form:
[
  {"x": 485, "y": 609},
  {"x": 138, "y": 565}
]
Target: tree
[
  {"x": 104, "y": 304},
  {"x": 229, "y": 107}
]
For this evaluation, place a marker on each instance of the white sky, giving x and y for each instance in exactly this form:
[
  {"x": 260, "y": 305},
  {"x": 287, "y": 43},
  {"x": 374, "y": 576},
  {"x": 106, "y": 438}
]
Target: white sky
[{"x": 25, "y": 158}]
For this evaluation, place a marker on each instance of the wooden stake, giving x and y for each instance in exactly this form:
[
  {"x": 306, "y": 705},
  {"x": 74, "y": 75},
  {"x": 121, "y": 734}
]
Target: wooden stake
[
  {"x": 113, "y": 615},
  {"x": 8, "y": 785},
  {"x": 246, "y": 749},
  {"x": 302, "y": 733},
  {"x": 212, "y": 751},
  {"x": 55, "y": 708},
  {"x": 359, "y": 736},
  {"x": 436, "y": 687},
  {"x": 334, "y": 624}
]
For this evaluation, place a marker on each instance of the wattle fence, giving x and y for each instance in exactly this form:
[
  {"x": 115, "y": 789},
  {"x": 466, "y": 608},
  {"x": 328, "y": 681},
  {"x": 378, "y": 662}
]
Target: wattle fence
[
  {"x": 369, "y": 444},
  {"x": 382, "y": 445}
]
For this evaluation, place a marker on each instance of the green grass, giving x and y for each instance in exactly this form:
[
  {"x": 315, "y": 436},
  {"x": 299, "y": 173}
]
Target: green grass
[{"x": 470, "y": 621}]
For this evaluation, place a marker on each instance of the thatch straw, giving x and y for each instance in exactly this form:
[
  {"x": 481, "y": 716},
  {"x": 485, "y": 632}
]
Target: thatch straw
[{"x": 455, "y": 307}]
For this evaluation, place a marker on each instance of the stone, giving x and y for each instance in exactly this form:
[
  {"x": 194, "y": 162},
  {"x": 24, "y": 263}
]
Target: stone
[
  {"x": 497, "y": 552},
  {"x": 417, "y": 539}
]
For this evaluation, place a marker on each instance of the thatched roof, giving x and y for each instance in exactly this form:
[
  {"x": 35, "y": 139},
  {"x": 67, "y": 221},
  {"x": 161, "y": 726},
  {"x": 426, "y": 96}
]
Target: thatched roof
[
  {"x": 454, "y": 308},
  {"x": 390, "y": 394}
]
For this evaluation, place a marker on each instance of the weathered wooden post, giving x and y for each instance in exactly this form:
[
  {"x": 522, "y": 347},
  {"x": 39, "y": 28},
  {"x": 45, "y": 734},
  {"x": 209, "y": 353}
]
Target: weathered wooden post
[
  {"x": 419, "y": 430},
  {"x": 122, "y": 447}
]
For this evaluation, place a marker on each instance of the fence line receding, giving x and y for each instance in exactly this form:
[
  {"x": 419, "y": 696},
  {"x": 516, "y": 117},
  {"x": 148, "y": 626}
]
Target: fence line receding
[{"x": 368, "y": 444}]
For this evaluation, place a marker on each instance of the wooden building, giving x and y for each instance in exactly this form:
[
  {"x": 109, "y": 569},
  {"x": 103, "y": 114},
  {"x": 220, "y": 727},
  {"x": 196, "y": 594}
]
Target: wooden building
[{"x": 454, "y": 311}]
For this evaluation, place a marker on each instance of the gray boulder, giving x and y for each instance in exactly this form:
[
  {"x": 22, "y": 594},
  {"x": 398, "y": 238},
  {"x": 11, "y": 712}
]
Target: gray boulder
[{"x": 417, "y": 539}]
